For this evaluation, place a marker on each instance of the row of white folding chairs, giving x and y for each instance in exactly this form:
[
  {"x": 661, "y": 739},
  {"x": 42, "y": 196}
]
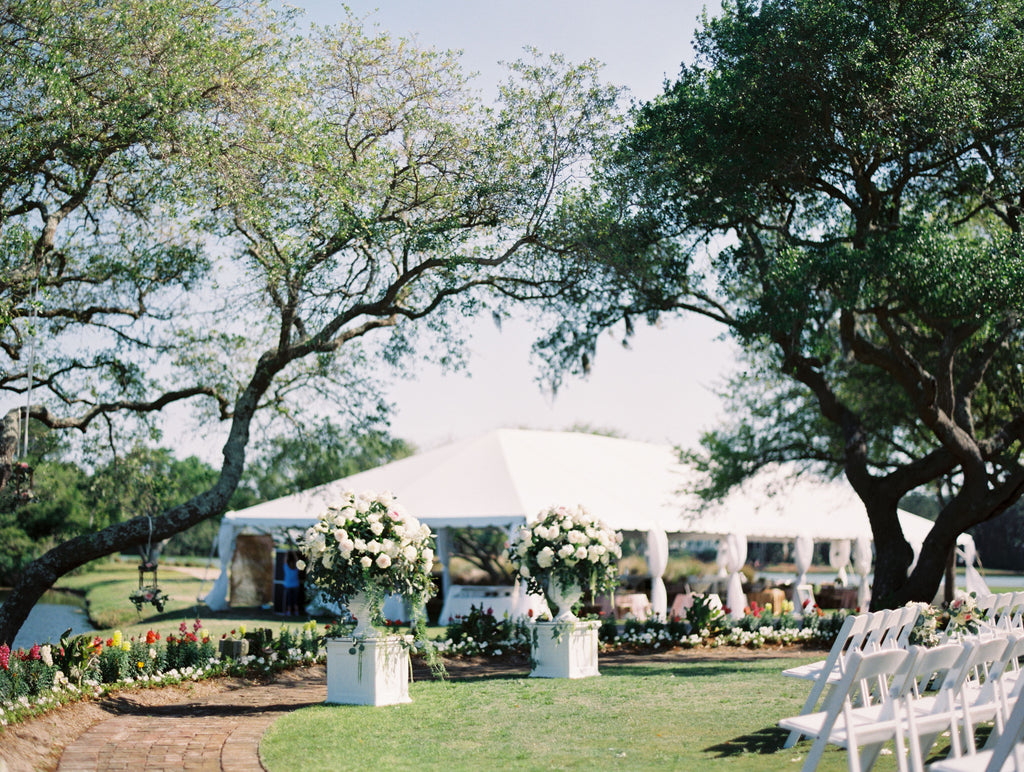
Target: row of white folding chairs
[
  {"x": 882, "y": 696},
  {"x": 1003, "y": 611},
  {"x": 867, "y": 632}
]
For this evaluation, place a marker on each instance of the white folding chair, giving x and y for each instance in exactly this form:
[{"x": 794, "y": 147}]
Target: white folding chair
[
  {"x": 842, "y": 724},
  {"x": 829, "y": 670},
  {"x": 1006, "y": 756},
  {"x": 990, "y": 699}
]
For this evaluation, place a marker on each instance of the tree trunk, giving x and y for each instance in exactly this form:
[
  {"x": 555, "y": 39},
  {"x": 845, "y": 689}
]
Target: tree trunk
[
  {"x": 39, "y": 575},
  {"x": 9, "y": 434}
]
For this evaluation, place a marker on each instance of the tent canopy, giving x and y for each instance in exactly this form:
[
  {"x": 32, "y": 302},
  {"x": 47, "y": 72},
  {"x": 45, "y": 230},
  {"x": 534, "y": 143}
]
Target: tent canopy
[{"x": 508, "y": 476}]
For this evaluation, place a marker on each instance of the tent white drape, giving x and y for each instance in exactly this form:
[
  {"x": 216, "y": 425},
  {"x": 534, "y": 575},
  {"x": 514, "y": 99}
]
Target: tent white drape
[
  {"x": 803, "y": 553},
  {"x": 839, "y": 558},
  {"x": 862, "y": 567},
  {"x": 657, "y": 561},
  {"x": 217, "y": 597},
  {"x": 972, "y": 579},
  {"x": 735, "y": 557}
]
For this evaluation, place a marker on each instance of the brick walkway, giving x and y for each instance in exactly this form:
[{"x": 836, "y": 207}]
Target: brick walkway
[{"x": 221, "y": 732}]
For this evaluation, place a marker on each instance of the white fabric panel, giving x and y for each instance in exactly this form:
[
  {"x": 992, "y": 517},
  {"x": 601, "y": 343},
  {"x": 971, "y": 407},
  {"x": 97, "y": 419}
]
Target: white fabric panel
[
  {"x": 839, "y": 558},
  {"x": 862, "y": 565},
  {"x": 803, "y": 553},
  {"x": 736, "y": 556},
  {"x": 657, "y": 562},
  {"x": 217, "y": 597}
]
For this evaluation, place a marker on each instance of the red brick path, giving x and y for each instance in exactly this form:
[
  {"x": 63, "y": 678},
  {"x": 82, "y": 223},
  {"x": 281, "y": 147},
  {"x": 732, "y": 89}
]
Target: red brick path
[{"x": 221, "y": 732}]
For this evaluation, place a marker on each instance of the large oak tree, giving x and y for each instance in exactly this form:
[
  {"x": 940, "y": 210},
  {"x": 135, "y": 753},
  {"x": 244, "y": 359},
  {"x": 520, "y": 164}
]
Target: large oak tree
[
  {"x": 199, "y": 203},
  {"x": 840, "y": 184}
]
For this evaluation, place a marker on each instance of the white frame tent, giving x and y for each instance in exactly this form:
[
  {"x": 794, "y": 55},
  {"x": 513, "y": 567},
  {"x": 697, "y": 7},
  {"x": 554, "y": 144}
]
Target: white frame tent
[{"x": 506, "y": 477}]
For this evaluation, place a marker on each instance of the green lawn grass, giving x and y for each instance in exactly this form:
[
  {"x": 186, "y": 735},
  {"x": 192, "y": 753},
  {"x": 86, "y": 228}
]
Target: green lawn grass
[
  {"x": 106, "y": 587},
  {"x": 701, "y": 715}
]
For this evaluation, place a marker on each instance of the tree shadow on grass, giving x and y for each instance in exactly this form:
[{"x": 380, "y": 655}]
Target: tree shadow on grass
[
  {"x": 764, "y": 741},
  {"x": 682, "y": 670}
]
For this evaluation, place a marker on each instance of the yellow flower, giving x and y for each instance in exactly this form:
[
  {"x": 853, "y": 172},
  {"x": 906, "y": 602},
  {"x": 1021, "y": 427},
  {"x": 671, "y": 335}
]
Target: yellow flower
[
  {"x": 241, "y": 630},
  {"x": 117, "y": 639},
  {"x": 140, "y": 665}
]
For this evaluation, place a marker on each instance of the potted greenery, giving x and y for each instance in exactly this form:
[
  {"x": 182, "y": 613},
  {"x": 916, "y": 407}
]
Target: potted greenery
[
  {"x": 359, "y": 552},
  {"x": 561, "y": 555}
]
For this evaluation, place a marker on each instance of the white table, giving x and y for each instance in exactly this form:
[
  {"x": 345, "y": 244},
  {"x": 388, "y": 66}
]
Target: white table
[{"x": 497, "y": 599}]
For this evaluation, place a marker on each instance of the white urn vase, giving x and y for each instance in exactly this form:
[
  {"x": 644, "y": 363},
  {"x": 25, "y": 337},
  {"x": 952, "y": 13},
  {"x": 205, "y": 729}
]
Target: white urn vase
[
  {"x": 361, "y": 606},
  {"x": 565, "y": 596}
]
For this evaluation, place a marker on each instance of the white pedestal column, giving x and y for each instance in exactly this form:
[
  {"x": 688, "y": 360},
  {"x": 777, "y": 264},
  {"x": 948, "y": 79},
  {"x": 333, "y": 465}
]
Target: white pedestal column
[
  {"x": 368, "y": 671},
  {"x": 565, "y": 650}
]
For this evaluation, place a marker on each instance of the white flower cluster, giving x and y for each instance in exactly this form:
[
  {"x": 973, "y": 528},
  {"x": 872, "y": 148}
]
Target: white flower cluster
[
  {"x": 369, "y": 537},
  {"x": 569, "y": 542}
]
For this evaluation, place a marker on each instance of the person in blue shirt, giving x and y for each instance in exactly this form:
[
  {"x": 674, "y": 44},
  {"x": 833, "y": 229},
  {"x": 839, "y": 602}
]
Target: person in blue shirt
[{"x": 292, "y": 585}]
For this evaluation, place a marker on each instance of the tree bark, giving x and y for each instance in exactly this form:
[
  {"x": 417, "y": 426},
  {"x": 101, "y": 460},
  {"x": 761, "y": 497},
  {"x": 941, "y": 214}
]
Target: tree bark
[{"x": 39, "y": 575}]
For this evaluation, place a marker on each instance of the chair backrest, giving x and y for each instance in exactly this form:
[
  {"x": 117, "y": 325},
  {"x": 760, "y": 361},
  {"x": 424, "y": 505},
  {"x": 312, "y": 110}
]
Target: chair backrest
[
  {"x": 804, "y": 597},
  {"x": 899, "y": 633},
  {"x": 1002, "y": 610},
  {"x": 1010, "y": 742},
  {"x": 938, "y": 666},
  {"x": 878, "y": 627},
  {"x": 863, "y": 670},
  {"x": 1016, "y": 615},
  {"x": 980, "y": 659}
]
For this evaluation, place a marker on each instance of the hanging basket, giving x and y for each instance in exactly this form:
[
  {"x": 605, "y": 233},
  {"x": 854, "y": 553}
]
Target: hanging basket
[{"x": 149, "y": 591}]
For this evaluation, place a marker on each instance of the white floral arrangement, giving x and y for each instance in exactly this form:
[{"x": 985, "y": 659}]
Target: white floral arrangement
[
  {"x": 368, "y": 543},
  {"x": 570, "y": 546}
]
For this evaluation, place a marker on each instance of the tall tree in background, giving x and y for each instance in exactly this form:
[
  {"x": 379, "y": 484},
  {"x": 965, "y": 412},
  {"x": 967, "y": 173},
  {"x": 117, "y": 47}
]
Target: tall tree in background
[
  {"x": 354, "y": 184},
  {"x": 841, "y": 184}
]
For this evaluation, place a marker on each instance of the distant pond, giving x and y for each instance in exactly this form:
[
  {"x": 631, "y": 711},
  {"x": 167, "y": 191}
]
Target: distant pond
[{"x": 55, "y": 613}]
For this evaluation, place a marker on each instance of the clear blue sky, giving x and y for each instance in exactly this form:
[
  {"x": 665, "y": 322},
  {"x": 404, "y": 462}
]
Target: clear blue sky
[{"x": 660, "y": 390}]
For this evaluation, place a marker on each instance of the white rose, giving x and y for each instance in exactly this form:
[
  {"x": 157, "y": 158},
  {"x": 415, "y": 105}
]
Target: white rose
[
  {"x": 594, "y": 552},
  {"x": 339, "y": 535},
  {"x": 428, "y": 556},
  {"x": 377, "y": 527},
  {"x": 577, "y": 537},
  {"x": 410, "y": 553},
  {"x": 365, "y": 561},
  {"x": 524, "y": 571},
  {"x": 566, "y": 550},
  {"x": 522, "y": 548},
  {"x": 545, "y": 557},
  {"x": 581, "y": 552},
  {"x": 300, "y": 564},
  {"x": 383, "y": 561},
  {"x": 359, "y": 544},
  {"x": 390, "y": 548},
  {"x": 328, "y": 560}
]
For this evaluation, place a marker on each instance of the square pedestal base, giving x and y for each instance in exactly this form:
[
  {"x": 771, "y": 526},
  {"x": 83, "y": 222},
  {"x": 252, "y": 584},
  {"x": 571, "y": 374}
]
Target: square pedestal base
[
  {"x": 368, "y": 671},
  {"x": 565, "y": 650}
]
